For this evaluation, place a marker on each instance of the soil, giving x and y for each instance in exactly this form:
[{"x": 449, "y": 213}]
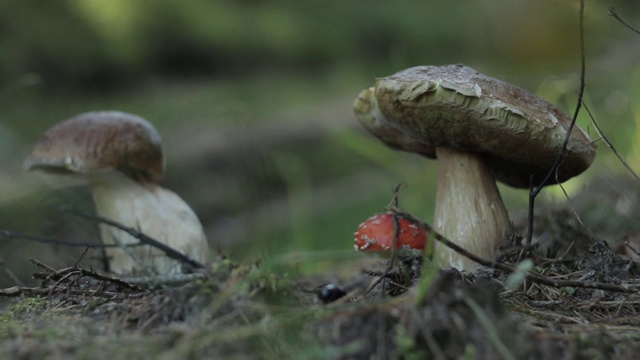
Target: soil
[{"x": 242, "y": 311}]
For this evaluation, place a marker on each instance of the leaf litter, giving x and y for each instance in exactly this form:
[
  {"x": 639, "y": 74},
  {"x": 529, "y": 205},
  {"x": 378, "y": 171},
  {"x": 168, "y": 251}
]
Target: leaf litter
[{"x": 243, "y": 311}]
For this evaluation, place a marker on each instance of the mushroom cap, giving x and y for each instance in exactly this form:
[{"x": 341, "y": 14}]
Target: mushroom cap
[
  {"x": 517, "y": 134},
  {"x": 376, "y": 234},
  {"x": 369, "y": 114},
  {"x": 93, "y": 142}
]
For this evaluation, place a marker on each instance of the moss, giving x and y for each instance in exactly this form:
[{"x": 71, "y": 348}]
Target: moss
[{"x": 25, "y": 306}]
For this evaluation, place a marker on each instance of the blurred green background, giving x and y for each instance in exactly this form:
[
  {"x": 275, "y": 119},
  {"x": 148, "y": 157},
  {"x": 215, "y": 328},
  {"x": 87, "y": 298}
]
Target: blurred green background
[{"x": 253, "y": 99}]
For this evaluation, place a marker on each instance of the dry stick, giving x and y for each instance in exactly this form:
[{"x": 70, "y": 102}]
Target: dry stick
[
  {"x": 16, "y": 291},
  {"x": 175, "y": 279},
  {"x": 396, "y": 233},
  {"x": 58, "y": 274},
  {"x": 556, "y": 164},
  {"x": 42, "y": 265},
  {"x": 145, "y": 239},
  {"x": 575, "y": 213},
  {"x": 627, "y": 244},
  {"x": 615, "y": 151},
  {"x": 12, "y": 235},
  {"x": 63, "y": 274},
  {"x": 614, "y": 13},
  {"x": 84, "y": 253},
  {"x": 10, "y": 273},
  {"x": 609, "y": 144},
  {"x": 530, "y": 275},
  {"x": 532, "y": 198},
  {"x": 62, "y": 278},
  {"x": 113, "y": 280},
  {"x": 132, "y": 254}
]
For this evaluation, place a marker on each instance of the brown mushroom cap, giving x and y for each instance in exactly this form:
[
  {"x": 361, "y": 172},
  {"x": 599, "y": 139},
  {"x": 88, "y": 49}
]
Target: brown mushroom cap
[
  {"x": 517, "y": 134},
  {"x": 97, "y": 141},
  {"x": 367, "y": 111}
]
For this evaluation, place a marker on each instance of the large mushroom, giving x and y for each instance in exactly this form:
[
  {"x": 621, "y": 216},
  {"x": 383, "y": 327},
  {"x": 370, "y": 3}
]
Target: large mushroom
[
  {"x": 481, "y": 130},
  {"x": 121, "y": 156}
]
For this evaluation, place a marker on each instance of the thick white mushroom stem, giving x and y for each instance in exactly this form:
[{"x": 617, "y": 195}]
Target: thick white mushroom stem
[
  {"x": 469, "y": 210},
  {"x": 152, "y": 210}
]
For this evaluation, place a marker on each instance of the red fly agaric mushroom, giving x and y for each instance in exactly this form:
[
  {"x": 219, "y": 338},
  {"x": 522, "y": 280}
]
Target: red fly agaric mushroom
[
  {"x": 121, "y": 156},
  {"x": 481, "y": 130},
  {"x": 376, "y": 234}
]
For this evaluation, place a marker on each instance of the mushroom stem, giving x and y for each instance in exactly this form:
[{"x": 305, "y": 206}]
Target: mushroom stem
[
  {"x": 469, "y": 209},
  {"x": 152, "y": 210}
]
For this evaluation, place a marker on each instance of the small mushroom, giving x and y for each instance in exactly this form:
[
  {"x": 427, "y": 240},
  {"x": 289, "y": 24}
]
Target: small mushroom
[
  {"x": 481, "y": 130},
  {"x": 121, "y": 156},
  {"x": 376, "y": 235}
]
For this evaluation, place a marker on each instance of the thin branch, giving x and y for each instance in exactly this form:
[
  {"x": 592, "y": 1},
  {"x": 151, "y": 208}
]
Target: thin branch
[
  {"x": 614, "y": 13},
  {"x": 396, "y": 193},
  {"x": 69, "y": 275},
  {"x": 132, "y": 254},
  {"x": 575, "y": 212},
  {"x": 532, "y": 199},
  {"x": 42, "y": 265},
  {"x": 396, "y": 232},
  {"x": 556, "y": 164},
  {"x": 17, "y": 291},
  {"x": 609, "y": 144},
  {"x": 118, "y": 282},
  {"x": 573, "y": 209},
  {"x": 173, "y": 280},
  {"x": 72, "y": 275},
  {"x": 10, "y": 273},
  {"x": 57, "y": 275},
  {"x": 84, "y": 253},
  {"x": 145, "y": 239},
  {"x": 507, "y": 268},
  {"x": 12, "y": 235}
]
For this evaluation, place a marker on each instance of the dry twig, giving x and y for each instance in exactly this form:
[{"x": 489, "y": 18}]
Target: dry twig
[
  {"x": 132, "y": 254},
  {"x": 55, "y": 275},
  {"x": 174, "y": 279},
  {"x": 609, "y": 144},
  {"x": 534, "y": 192},
  {"x": 6, "y": 234},
  {"x": 145, "y": 239},
  {"x": 614, "y": 13},
  {"x": 396, "y": 232},
  {"x": 10, "y": 273},
  {"x": 70, "y": 276},
  {"x": 507, "y": 268}
]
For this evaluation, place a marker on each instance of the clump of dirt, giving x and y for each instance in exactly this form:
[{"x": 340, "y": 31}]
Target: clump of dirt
[
  {"x": 100, "y": 312},
  {"x": 475, "y": 316},
  {"x": 574, "y": 314},
  {"x": 588, "y": 306},
  {"x": 459, "y": 316}
]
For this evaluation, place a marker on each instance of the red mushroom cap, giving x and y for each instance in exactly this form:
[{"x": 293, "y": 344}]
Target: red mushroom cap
[{"x": 376, "y": 234}]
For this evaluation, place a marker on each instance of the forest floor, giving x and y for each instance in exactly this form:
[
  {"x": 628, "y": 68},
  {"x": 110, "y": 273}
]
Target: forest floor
[{"x": 585, "y": 306}]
